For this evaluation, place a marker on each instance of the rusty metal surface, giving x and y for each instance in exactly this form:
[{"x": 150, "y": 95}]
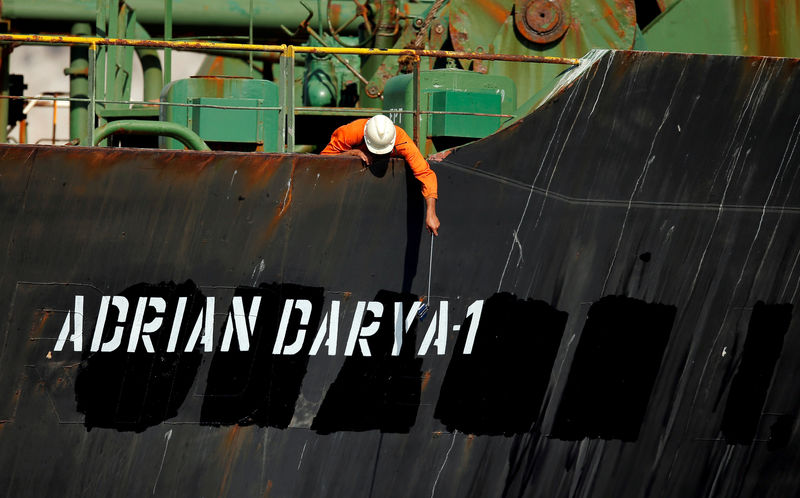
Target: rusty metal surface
[
  {"x": 491, "y": 26},
  {"x": 748, "y": 27},
  {"x": 541, "y": 21},
  {"x": 638, "y": 264}
]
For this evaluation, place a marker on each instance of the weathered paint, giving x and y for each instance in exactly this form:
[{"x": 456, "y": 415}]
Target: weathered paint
[
  {"x": 593, "y": 24},
  {"x": 767, "y": 28},
  {"x": 585, "y": 212},
  {"x": 748, "y": 27}
]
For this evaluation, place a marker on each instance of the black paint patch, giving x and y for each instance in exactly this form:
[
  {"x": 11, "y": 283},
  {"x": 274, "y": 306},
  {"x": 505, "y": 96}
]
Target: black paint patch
[
  {"x": 380, "y": 391},
  {"x": 780, "y": 432},
  {"x": 499, "y": 388},
  {"x": 762, "y": 348},
  {"x": 614, "y": 369},
  {"x": 255, "y": 386},
  {"x": 134, "y": 391}
]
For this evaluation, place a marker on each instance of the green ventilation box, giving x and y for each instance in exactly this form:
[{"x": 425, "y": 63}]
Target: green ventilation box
[
  {"x": 452, "y": 90},
  {"x": 224, "y": 112},
  {"x": 460, "y": 125},
  {"x": 216, "y": 124}
]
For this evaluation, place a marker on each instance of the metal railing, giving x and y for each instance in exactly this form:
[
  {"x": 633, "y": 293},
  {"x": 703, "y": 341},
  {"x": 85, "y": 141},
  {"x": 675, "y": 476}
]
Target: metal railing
[{"x": 286, "y": 108}]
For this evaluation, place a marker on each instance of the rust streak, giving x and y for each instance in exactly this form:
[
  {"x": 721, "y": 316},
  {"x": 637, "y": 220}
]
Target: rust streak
[
  {"x": 470, "y": 441},
  {"x": 217, "y": 65},
  {"x": 231, "y": 448},
  {"x": 258, "y": 176},
  {"x": 767, "y": 28},
  {"x": 36, "y": 329},
  {"x": 494, "y": 9},
  {"x": 613, "y": 22},
  {"x": 426, "y": 378},
  {"x": 269, "y": 488},
  {"x": 628, "y": 9},
  {"x": 178, "y": 166},
  {"x": 745, "y": 30},
  {"x": 335, "y": 13}
]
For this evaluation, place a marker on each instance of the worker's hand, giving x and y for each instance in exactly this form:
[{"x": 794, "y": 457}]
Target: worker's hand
[
  {"x": 359, "y": 154},
  {"x": 431, "y": 220},
  {"x": 439, "y": 156}
]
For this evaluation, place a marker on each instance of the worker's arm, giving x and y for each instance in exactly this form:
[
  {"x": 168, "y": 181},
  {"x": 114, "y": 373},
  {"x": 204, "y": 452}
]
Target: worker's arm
[
  {"x": 419, "y": 166},
  {"x": 422, "y": 172},
  {"x": 346, "y": 139}
]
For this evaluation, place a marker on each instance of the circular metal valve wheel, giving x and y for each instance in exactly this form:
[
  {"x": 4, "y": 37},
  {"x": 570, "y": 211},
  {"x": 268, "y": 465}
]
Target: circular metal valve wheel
[{"x": 541, "y": 21}]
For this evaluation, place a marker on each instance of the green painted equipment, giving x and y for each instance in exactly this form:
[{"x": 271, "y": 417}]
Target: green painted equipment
[
  {"x": 746, "y": 27},
  {"x": 228, "y": 113},
  {"x": 467, "y": 94},
  {"x": 476, "y": 126},
  {"x": 158, "y": 128}
]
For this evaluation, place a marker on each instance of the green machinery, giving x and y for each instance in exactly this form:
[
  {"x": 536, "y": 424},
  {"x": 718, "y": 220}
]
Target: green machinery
[
  {"x": 227, "y": 113},
  {"x": 239, "y": 100}
]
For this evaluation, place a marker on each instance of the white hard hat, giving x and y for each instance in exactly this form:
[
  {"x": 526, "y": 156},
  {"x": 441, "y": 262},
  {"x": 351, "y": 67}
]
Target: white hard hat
[{"x": 379, "y": 134}]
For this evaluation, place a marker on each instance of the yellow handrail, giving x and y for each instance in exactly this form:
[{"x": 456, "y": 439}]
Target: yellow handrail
[{"x": 247, "y": 47}]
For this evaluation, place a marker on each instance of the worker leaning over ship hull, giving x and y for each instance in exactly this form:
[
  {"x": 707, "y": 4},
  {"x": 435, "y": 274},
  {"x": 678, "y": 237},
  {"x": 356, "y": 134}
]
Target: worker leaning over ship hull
[{"x": 377, "y": 137}]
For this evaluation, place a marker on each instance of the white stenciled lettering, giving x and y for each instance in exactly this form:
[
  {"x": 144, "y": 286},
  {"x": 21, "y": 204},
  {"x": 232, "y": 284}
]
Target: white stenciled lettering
[
  {"x": 142, "y": 330},
  {"x": 151, "y": 315},
  {"x": 205, "y": 326},
  {"x": 474, "y": 312},
  {"x": 101, "y": 323},
  {"x": 359, "y": 332},
  {"x": 236, "y": 321},
  {"x": 72, "y": 324},
  {"x": 400, "y": 326},
  {"x": 177, "y": 321},
  {"x": 304, "y": 306},
  {"x": 439, "y": 328},
  {"x": 328, "y": 331},
  {"x": 121, "y": 303}
]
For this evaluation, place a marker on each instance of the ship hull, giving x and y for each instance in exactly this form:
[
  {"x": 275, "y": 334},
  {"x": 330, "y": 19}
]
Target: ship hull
[{"x": 611, "y": 312}]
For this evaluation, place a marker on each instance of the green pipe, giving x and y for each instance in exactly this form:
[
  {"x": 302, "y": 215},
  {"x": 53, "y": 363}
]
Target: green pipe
[
  {"x": 167, "y": 36},
  {"x": 384, "y": 38},
  {"x": 267, "y": 14},
  {"x": 250, "y": 38},
  {"x": 151, "y": 67},
  {"x": 319, "y": 17},
  {"x": 78, "y": 72},
  {"x": 152, "y": 74},
  {"x": 5, "y": 59},
  {"x": 141, "y": 127},
  {"x": 97, "y": 69}
]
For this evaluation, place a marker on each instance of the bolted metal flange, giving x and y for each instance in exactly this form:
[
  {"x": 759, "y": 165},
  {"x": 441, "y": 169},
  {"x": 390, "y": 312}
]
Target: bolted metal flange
[
  {"x": 373, "y": 91},
  {"x": 541, "y": 21}
]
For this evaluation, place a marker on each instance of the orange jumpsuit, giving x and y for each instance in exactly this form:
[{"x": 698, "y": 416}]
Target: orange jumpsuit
[{"x": 351, "y": 136}]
